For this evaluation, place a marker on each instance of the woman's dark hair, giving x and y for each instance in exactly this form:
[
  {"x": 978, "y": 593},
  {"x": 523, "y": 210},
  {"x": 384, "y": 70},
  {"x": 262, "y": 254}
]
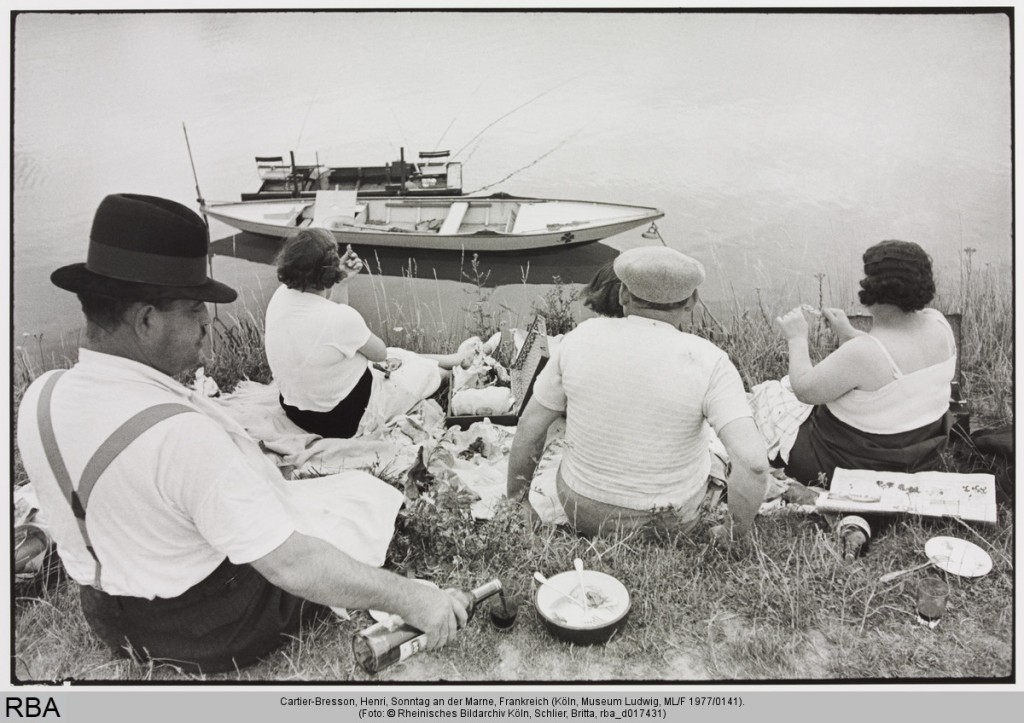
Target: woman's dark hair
[
  {"x": 309, "y": 261},
  {"x": 897, "y": 273},
  {"x": 601, "y": 295}
]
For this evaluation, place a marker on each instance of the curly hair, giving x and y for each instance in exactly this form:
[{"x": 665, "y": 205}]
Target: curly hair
[
  {"x": 309, "y": 261},
  {"x": 897, "y": 273},
  {"x": 601, "y": 295}
]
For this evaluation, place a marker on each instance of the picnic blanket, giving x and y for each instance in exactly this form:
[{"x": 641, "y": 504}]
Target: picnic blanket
[{"x": 476, "y": 459}]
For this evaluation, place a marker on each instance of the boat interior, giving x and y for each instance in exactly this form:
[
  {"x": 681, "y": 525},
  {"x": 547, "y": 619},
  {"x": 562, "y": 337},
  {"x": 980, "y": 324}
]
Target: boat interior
[{"x": 343, "y": 210}]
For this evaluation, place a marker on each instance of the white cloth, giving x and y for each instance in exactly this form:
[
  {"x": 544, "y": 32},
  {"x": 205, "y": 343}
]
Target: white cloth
[
  {"x": 397, "y": 393},
  {"x": 544, "y": 487},
  {"x": 295, "y": 451},
  {"x": 354, "y": 511},
  {"x": 476, "y": 458},
  {"x": 638, "y": 396},
  {"x": 909, "y": 401},
  {"x": 313, "y": 348},
  {"x": 778, "y": 415}
]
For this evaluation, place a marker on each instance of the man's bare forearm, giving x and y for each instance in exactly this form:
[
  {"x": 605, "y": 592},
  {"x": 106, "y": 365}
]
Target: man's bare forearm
[
  {"x": 522, "y": 463},
  {"x": 746, "y": 493},
  {"x": 317, "y": 571}
]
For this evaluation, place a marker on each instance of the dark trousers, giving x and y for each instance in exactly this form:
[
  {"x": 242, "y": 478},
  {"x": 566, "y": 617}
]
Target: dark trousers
[
  {"x": 824, "y": 443},
  {"x": 342, "y": 421},
  {"x": 229, "y": 620}
]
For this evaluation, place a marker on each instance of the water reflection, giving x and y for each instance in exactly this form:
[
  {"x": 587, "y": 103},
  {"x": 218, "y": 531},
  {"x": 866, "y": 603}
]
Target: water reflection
[{"x": 575, "y": 265}]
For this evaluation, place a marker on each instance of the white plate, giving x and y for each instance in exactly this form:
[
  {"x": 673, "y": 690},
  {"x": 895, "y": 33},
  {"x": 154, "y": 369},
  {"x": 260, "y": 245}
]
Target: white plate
[
  {"x": 379, "y": 616},
  {"x": 958, "y": 557}
]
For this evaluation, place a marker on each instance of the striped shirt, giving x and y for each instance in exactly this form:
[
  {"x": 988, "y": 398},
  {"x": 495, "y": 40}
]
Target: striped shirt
[{"x": 638, "y": 396}]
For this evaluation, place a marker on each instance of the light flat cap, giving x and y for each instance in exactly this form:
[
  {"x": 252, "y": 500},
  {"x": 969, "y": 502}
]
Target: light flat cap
[{"x": 659, "y": 274}]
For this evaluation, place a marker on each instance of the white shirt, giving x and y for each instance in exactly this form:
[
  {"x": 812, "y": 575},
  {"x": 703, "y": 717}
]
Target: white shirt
[
  {"x": 171, "y": 506},
  {"x": 638, "y": 395},
  {"x": 313, "y": 348}
]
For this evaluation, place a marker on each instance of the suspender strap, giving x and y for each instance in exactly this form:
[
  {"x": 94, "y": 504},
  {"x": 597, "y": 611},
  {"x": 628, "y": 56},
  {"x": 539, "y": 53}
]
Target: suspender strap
[
  {"x": 100, "y": 460},
  {"x": 50, "y": 441},
  {"x": 119, "y": 440}
]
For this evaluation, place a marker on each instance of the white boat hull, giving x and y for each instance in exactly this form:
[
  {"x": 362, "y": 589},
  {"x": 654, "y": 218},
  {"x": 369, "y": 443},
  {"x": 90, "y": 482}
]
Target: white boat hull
[{"x": 586, "y": 222}]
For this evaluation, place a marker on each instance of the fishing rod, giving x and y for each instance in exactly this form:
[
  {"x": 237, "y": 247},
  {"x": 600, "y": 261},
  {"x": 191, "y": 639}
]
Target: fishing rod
[
  {"x": 206, "y": 222},
  {"x": 518, "y": 107},
  {"x": 195, "y": 176}
]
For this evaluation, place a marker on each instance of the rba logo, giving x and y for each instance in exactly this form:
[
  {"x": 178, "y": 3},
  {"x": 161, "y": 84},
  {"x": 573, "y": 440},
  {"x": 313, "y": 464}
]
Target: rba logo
[{"x": 31, "y": 707}]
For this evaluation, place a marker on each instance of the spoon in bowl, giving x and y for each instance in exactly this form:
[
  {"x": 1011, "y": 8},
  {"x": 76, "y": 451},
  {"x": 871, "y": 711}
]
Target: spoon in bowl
[
  {"x": 578, "y": 564},
  {"x": 544, "y": 581}
]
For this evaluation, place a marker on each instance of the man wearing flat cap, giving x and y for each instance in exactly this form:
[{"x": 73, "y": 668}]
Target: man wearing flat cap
[
  {"x": 162, "y": 508},
  {"x": 638, "y": 396}
]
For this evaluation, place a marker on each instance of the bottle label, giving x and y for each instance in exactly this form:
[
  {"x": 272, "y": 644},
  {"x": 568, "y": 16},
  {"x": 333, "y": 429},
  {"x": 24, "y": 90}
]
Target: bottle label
[{"x": 411, "y": 647}]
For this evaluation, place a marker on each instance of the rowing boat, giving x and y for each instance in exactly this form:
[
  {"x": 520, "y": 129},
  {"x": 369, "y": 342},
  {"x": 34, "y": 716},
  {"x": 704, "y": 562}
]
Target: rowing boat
[{"x": 496, "y": 223}]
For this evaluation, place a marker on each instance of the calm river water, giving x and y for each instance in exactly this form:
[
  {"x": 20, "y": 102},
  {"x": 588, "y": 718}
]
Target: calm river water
[{"x": 779, "y": 145}]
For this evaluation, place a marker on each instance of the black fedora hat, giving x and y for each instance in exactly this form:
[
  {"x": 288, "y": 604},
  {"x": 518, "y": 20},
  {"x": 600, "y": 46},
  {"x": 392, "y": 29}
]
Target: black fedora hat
[{"x": 144, "y": 247}]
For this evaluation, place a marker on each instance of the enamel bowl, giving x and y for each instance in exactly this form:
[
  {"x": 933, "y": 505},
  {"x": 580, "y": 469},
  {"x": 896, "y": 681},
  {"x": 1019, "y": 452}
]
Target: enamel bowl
[{"x": 608, "y": 606}]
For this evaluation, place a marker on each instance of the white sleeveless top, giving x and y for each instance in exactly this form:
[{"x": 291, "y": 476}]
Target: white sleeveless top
[{"x": 908, "y": 402}]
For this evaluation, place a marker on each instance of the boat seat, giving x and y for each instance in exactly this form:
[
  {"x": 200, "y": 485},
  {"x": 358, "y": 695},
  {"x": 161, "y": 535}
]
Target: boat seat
[
  {"x": 333, "y": 205},
  {"x": 454, "y": 218}
]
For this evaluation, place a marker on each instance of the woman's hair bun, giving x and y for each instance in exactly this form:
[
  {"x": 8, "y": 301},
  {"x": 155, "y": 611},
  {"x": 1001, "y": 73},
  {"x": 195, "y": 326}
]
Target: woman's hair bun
[{"x": 329, "y": 276}]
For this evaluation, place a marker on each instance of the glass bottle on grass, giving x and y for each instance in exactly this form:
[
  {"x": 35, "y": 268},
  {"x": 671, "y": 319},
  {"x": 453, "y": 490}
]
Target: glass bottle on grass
[
  {"x": 392, "y": 640},
  {"x": 854, "y": 531}
]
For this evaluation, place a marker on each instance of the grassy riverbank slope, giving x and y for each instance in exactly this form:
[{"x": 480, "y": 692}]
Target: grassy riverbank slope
[{"x": 786, "y": 608}]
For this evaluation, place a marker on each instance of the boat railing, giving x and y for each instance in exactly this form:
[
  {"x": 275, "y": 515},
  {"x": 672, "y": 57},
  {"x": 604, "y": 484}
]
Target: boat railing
[{"x": 426, "y": 203}]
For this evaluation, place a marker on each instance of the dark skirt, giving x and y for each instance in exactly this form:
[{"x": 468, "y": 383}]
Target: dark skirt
[
  {"x": 229, "y": 620},
  {"x": 824, "y": 443},
  {"x": 342, "y": 422}
]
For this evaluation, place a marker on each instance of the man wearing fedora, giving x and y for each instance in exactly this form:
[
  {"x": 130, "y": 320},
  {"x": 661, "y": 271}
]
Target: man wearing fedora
[
  {"x": 638, "y": 396},
  {"x": 161, "y": 508}
]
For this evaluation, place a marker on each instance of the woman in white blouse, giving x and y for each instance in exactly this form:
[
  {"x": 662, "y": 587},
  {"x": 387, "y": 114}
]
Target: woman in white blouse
[{"x": 320, "y": 349}]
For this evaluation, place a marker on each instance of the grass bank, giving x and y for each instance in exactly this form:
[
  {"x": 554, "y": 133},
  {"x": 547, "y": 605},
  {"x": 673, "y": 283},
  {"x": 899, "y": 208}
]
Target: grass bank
[{"x": 786, "y": 609}]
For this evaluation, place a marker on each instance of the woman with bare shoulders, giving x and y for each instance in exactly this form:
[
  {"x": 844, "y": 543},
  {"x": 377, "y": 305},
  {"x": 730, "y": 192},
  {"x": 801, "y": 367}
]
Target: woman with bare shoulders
[{"x": 881, "y": 400}]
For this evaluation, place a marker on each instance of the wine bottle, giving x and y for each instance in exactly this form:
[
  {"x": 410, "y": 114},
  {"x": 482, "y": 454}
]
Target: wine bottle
[{"x": 392, "y": 640}]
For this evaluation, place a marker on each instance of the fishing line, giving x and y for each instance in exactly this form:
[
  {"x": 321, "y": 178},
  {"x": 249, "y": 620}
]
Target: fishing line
[
  {"x": 534, "y": 162},
  {"x": 459, "y": 112},
  {"x": 401, "y": 131},
  {"x": 309, "y": 109},
  {"x": 518, "y": 107}
]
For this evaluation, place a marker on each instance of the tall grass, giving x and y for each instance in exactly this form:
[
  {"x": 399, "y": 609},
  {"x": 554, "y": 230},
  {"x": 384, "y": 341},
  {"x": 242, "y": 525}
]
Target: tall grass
[{"x": 986, "y": 302}]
